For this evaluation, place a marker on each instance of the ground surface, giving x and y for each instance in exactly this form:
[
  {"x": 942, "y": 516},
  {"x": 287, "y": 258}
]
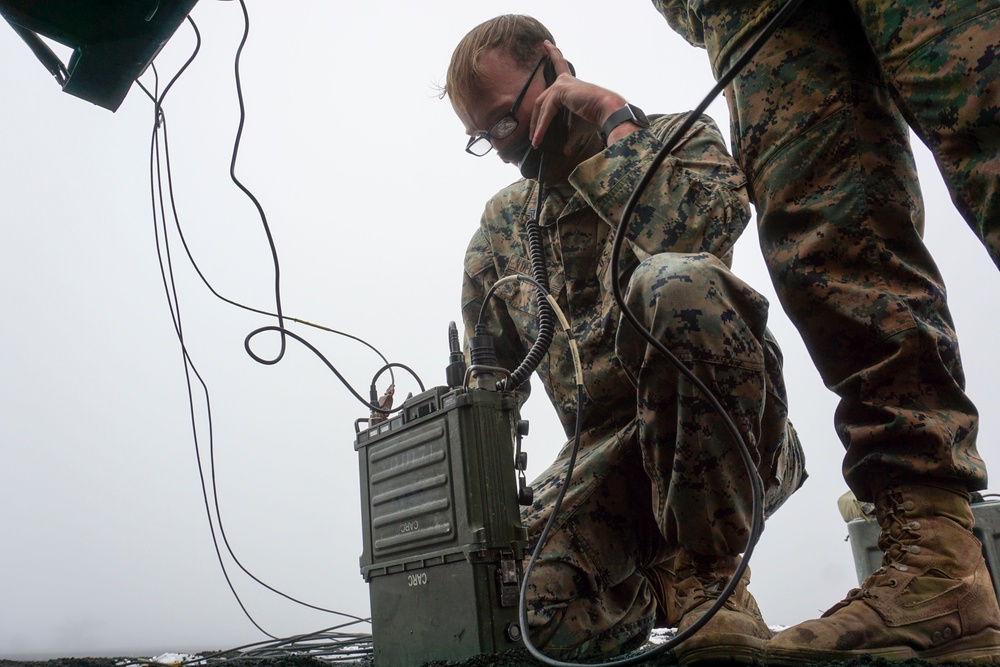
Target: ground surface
[{"x": 514, "y": 658}]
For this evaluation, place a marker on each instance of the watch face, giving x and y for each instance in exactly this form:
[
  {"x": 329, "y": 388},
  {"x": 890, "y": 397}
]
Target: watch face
[{"x": 638, "y": 116}]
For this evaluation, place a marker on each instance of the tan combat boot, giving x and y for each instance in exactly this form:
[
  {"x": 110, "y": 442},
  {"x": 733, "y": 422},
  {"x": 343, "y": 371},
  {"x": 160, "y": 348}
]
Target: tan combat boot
[
  {"x": 736, "y": 634},
  {"x": 662, "y": 580},
  {"x": 932, "y": 598}
]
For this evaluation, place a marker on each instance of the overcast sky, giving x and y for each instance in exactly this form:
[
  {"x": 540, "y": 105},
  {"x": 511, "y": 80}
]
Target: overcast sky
[{"x": 371, "y": 200}]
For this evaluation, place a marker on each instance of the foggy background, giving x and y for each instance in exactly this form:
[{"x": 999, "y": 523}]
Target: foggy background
[{"x": 360, "y": 168}]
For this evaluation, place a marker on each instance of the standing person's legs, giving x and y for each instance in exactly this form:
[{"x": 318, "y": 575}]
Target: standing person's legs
[{"x": 840, "y": 220}]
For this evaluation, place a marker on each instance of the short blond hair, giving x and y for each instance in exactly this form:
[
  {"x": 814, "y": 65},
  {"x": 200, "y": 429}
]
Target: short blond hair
[{"x": 518, "y": 36}]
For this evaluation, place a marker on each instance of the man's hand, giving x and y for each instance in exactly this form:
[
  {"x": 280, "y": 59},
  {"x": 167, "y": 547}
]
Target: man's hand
[{"x": 591, "y": 103}]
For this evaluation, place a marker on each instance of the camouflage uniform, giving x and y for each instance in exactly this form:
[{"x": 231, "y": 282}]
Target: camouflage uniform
[
  {"x": 820, "y": 126},
  {"x": 657, "y": 470}
]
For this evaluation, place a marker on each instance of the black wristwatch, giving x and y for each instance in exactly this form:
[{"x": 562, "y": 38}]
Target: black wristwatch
[{"x": 629, "y": 112}]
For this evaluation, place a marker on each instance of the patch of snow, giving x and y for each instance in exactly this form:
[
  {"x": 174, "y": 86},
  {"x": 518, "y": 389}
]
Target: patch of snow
[{"x": 175, "y": 659}]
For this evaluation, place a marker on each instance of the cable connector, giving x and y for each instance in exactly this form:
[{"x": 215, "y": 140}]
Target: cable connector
[
  {"x": 385, "y": 403},
  {"x": 454, "y": 373},
  {"x": 483, "y": 355}
]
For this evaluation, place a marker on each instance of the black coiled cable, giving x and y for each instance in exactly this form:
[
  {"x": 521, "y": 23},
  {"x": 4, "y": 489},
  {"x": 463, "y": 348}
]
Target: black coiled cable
[{"x": 546, "y": 318}]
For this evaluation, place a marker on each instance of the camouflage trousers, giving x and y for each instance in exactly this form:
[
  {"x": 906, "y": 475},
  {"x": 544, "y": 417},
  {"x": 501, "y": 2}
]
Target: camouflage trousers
[
  {"x": 820, "y": 125},
  {"x": 673, "y": 478}
]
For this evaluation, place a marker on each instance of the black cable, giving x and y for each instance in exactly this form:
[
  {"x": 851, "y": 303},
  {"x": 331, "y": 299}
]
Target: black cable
[
  {"x": 211, "y": 288},
  {"x": 279, "y": 314},
  {"x": 150, "y": 95},
  {"x": 522, "y": 607},
  {"x": 312, "y": 348},
  {"x": 173, "y": 303},
  {"x": 169, "y": 284},
  {"x": 250, "y": 195},
  {"x": 274, "y": 255},
  {"x": 546, "y": 324},
  {"x": 45, "y": 55},
  {"x": 215, "y": 497},
  {"x": 160, "y": 123},
  {"x": 204, "y": 279},
  {"x": 170, "y": 287},
  {"x": 328, "y": 645}
]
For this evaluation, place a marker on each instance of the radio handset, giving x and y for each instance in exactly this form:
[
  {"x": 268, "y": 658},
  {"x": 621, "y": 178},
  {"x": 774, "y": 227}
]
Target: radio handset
[{"x": 555, "y": 136}]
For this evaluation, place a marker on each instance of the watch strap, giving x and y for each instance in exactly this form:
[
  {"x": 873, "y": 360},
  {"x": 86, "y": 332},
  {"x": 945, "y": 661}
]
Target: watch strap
[{"x": 627, "y": 113}]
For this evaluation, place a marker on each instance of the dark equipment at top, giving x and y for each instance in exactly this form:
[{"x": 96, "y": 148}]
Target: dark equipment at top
[{"x": 113, "y": 41}]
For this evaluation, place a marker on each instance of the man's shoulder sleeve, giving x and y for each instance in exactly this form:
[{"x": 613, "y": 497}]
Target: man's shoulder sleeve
[
  {"x": 694, "y": 201},
  {"x": 607, "y": 179},
  {"x": 702, "y": 149}
]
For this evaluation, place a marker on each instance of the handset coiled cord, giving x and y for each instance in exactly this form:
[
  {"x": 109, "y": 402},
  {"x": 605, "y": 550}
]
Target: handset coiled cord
[{"x": 546, "y": 316}]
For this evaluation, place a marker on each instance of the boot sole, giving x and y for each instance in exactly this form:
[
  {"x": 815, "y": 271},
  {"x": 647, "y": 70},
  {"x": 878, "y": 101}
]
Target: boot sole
[
  {"x": 721, "y": 649},
  {"x": 982, "y": 648}
]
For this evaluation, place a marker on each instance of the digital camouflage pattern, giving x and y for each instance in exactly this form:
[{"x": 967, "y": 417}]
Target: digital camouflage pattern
[
  {"x": 657, "y": 469},
  {"x": 820, "y": 126}
]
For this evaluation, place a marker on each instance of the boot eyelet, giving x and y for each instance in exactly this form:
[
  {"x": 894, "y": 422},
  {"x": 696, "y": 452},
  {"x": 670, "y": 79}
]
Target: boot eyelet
[{"x": 893, "y": 583}]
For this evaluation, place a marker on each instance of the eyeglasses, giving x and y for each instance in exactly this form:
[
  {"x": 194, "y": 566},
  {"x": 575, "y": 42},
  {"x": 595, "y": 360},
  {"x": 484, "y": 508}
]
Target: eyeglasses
[{"x": 482, "y": 143}]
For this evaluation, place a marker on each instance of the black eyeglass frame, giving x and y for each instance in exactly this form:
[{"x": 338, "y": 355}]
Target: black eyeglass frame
[{"x": 506, "y": 124}]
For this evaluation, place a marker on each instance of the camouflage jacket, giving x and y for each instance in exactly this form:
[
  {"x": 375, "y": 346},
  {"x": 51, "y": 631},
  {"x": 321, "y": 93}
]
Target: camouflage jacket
[{"x": 696, "y": 202}]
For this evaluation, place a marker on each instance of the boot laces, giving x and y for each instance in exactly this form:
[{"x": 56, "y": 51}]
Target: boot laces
[
  {"x": 899, "y": 535},
  {"x": 896, "y": 540},
  {"x": 710, "y": 588}
]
